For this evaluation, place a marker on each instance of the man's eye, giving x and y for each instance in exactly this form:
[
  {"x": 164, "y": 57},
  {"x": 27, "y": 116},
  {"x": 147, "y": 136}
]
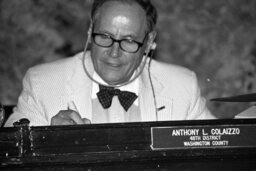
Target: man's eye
[
  {"x": 103, "y": 36},
  {"x": 128, "y": 41}
]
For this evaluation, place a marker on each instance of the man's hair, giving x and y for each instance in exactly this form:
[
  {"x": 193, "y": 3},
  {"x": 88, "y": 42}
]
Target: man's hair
[{"x": 146, "y": 5}]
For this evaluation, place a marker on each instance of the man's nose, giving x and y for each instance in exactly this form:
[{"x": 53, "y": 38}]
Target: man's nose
[{"x": 115, "y": 50}]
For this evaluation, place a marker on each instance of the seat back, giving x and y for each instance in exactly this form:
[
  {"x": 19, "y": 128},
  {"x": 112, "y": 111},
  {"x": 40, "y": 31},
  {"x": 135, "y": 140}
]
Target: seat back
[{"x": 8, "y": 109}]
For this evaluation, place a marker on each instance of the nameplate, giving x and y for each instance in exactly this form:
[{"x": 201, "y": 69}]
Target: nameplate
[{"x": 210, "y": 136}]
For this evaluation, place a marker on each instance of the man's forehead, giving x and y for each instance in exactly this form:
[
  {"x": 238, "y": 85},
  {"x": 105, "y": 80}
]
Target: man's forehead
[
  {"x": 119, "y": 14},
  {"x": 120, "y": 20}
]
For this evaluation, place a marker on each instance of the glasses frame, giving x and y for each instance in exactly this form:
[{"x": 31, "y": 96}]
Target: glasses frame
[{"x": 140, "y": 44}]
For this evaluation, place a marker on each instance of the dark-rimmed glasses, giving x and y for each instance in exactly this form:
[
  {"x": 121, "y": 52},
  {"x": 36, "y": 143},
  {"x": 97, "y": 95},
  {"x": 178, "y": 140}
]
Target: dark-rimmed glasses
[{"x": 127, "y": 45}]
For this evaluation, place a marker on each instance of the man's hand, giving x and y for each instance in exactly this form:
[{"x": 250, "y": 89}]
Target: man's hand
[{"x": 68, "y": 117}]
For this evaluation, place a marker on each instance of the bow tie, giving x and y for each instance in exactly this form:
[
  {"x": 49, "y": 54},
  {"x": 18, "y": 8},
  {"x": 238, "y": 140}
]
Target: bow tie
[{"x": 106, "y": 94}]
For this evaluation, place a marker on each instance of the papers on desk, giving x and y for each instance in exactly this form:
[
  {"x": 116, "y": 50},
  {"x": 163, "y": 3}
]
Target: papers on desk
[{"x": 248, "y": 113}]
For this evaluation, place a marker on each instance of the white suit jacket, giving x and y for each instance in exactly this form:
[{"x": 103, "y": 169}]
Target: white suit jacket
[{"x": 48, "y": 88}]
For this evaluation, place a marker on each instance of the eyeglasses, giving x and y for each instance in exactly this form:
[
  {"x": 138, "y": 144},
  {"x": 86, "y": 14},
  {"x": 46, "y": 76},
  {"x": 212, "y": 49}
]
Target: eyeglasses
[{"x": 127, "y": 45}]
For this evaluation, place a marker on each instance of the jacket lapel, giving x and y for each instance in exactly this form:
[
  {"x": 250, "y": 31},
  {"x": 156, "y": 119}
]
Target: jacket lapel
[
  {"x": 79, "y": 87},
  {"x": 154, "y": 106}
]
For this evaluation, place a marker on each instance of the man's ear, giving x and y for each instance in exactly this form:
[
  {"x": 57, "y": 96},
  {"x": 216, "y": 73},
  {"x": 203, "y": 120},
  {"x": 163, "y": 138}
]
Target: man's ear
[{"x": 151, "y": 44}]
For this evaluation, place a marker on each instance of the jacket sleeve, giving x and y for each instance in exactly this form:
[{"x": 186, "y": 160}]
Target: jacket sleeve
[
  {"x": 198, "y": 108},
  {"x": 28, "y": 105}
]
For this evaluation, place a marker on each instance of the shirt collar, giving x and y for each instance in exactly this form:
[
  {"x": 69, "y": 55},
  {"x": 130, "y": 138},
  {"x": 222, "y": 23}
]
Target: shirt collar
[{"x": 132, "y": 87}]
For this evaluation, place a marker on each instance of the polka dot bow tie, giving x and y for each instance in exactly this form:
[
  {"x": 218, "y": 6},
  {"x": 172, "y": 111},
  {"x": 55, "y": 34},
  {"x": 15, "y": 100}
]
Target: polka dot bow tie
[{"x": 106, "y": 94}]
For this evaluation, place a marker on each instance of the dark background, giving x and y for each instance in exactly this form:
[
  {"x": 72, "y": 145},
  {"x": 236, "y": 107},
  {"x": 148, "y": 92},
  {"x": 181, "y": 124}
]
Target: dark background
[{"x": 216, "y": 39}]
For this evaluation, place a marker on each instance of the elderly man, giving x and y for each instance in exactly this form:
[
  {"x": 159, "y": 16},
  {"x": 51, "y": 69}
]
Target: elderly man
[{"x": 114, "y": 82}]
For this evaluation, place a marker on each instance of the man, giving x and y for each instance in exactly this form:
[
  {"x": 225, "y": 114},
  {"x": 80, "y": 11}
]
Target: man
[{"x": 121, "y": 36}]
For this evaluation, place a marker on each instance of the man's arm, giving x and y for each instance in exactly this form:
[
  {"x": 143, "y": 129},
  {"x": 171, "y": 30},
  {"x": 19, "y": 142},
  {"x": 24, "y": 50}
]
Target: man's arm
[
  {"x": 198, "y": 108},
  {"x": 28, "y": 105}
]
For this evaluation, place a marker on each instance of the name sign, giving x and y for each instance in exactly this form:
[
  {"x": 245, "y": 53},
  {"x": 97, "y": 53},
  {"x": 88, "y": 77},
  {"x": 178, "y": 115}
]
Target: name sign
[{"x": 217, "y": 136}]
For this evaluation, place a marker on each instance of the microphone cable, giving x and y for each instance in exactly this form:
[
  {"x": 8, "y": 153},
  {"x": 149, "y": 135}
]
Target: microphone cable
[{"x": 151, "y": 84}]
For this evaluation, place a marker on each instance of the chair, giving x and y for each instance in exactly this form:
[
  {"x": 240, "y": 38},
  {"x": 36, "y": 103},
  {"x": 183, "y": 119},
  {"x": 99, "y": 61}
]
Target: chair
[{"x": 8, "y": 109}]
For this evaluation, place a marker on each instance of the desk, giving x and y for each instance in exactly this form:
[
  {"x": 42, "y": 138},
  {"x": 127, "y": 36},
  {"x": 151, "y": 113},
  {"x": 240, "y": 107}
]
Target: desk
[{"x": 132, "y": 146}]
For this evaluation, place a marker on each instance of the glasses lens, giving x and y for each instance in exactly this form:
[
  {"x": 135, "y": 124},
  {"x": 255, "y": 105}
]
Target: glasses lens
[
  {"x": 103, "y": 40},
  {"x": 126, "y": 45},
  {"x": 129, "y": 46}
]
